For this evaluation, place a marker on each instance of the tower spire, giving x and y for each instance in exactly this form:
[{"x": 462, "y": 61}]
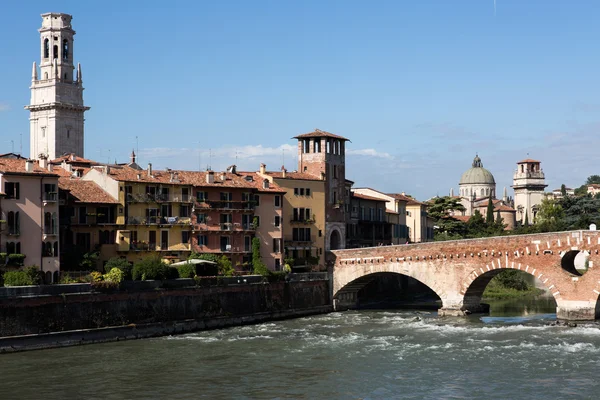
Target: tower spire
[
  {"x": 79, "y": 76},
  {"x": 34, "y": 75}
]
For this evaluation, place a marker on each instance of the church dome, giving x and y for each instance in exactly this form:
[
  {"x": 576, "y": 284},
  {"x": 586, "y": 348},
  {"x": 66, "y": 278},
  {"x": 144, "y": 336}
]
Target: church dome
[{"x": 477, "y": 174}]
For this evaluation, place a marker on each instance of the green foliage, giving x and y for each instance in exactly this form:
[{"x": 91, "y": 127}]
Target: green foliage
[
  {"x": 187, "y": 270},
  {"x": 489, "y": 217},
  {"x": 512, "y": 279},
  {"x": 563, "y": 190},
  {"x": 95, "y": 276},
  {"x": 208, "y": 269},
  {"x": 152, "y": 268},
  {"x": 120, "y": 263},
  {"x": 17, "y": 278},
  {"x": 447, "y": 226},
  {"x": 550, "y": 217},
  {"x": 592, "y": 179},
  {"x": 510, "y": 283},
  {"x": 225, "y": 266},
  {"x": 16, "y": 260},
  {"x": 114, "y": 275},
  {"x": 65, "y": 278},
  {"x": 88, "y": 261},
  {"x": 33, "y": 271},
  {"x": 259, "y": 267},
  {"x": 105, "y": 286}
]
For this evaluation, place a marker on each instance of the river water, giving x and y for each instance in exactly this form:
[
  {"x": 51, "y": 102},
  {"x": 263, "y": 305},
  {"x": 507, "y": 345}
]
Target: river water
[{"x": 509, "y": 354}]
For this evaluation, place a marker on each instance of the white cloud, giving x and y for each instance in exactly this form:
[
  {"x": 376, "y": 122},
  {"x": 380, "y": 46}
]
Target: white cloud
[
  {"x": 369, "y": 152},
  {"x": 4, "y": 107}
]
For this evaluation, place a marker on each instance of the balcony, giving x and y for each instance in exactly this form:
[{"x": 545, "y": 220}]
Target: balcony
[
  {"x": 144, "y": 246},
  {"x": 227, "y": 226},
  {"x": 308, "y": 221},
  {"x": 50, "y": 230},
  {"x": 225, "y": 205},
  {"x": 224, "y": 227},
  {"x": 13, "y": 231},
  {"x": 50, "y": 197},
  {"x": 158, "y": 221},
  {"x": 158, "y": 198}
]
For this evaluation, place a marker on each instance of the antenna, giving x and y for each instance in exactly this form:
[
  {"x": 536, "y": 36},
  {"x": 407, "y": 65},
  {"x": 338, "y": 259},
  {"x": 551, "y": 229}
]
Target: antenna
[
  {"x": 236, "y": 156},
  {"x": 209, "y": 159},
  {"x": 283, "y": 157}
]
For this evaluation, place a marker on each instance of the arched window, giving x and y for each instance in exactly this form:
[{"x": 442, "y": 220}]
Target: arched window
[
  {"x": 55, "y": 51},
  {"x": 18, "y": 247},
  {"x": 65, "y": 53},
  {"x": 47, "y": 222},
  {"x": 487, "y": 191},
  {"x": 55, "y": 249},
  {"x": 10, "y": 248},
  {"x": 54, "y": 223},
  {"x": 45, "y": 75},
  {"x": 46, "y": 48},
  {"x": 482, "y": 193}
]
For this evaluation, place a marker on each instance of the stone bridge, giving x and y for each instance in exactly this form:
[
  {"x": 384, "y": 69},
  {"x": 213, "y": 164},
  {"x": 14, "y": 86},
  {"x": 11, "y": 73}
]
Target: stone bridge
[{"x": 458, "y": 271}]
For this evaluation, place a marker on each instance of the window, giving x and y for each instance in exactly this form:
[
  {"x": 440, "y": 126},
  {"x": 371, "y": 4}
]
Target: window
[
  {"x": 276, "y": 245},
  {"x": 257, "y": 220},
  {"x": 247, "y": 243},
  {"x": 277, "y": 221},
  {"x": 55, "y": 51},
  {"x": 225, "y": 243},
  {"x": 301, "y": 191},
  {"x": 202, "y": 196},
  {"x": 301, "y": 235},
  {"x": 13, "y": 223},
  {"x": 317, "y": 146},
  {"x": 307, "y": 191},
  {"x": 11, "y": 189},
  {"x": 68, "y": 134},
  {"x": 257, "y": 199},
  {"x": 185, "y": 194},
  {"x": 46, "y": 48},
  {"x": 134, "y": 236},
  {"x": 185, "y": 237},
  {"x": 65, "y": 49},
  {"x": 13, "y": 248},
  {"x": 226, "y": 197},
  {"x": 201, "y": 218},
  {"x": 296, "y": 191},
  {"x": 202, "y": 240},
  {"x": 335, "y": 171},
  {"x": 277, "y": 264},
  {"x": 184, "y": 211},
  {"x": 277, "y": 201}
]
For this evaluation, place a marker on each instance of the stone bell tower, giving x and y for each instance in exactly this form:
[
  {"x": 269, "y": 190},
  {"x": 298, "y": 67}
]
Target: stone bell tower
[{"x": 56, "y": 107}]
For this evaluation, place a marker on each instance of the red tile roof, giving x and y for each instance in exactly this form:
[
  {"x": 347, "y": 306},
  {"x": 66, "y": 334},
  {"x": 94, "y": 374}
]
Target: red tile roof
[
  {"x": 504, "y": 208},
  {"x": 319, "y": 133},
  {"x": 363, "y": 197},
  {"x": 85, "y": 191},
  {"x": 463, "y": 218},
  {"x": 17, "y": 166},
  {"x": 294, "y": 175},
  {"x": 528, "y": 160},
  {"x": 72, "y": 158},
  {"x": 409, "y": 200}
]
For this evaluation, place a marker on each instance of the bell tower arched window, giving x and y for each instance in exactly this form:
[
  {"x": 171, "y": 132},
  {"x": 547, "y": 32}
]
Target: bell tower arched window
[
  {"x": 46, "y": 48},
  {"x": 65, "y": 52},
  {"x": 55, "y": 51}
]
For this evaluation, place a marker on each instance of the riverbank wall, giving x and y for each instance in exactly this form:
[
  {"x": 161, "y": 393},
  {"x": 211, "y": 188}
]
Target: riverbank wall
[{"x": 46, "y": 321}]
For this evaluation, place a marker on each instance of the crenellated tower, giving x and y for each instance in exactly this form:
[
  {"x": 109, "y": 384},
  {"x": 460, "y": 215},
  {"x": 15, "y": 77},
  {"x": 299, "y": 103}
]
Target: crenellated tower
[
  {"x": 56, "y": 109},
  {"x": 323, "y": 155}
]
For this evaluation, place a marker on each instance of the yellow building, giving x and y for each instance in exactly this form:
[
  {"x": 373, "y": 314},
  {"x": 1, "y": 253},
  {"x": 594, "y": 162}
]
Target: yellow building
[
  {"x": 303, "y": 217},
  {"x": 154, "y": 212}
]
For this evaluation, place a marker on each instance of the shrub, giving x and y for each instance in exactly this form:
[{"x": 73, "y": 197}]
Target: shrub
[
  {"x": 66, "y": 278},
  {"x": 225, "y": 266},
  {"x": 34, "y": 274},
  {"x": 16, "y": 260},
  {"x": 120, "y": 263},
  {"x": 277, "y": 276},
  {"x": 259, "y": 267},
  {"x": 114, "y": 275},
  {"x": 187, "y": 270},
  {"x": 152, "y": 268},
  {"x": 17, "y": 278},
  {"x": 94, "y": 276},
  {"x": 105, "y": 286}
]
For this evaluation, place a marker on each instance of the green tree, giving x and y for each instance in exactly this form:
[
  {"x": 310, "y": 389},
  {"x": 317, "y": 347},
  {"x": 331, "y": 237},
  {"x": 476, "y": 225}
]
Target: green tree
[
  {"x": 489, "y": 216},
  {"x": 550, "y": 216},
  {"x": 563, "y": 190},
  {"x": 476, "y": 226},
  {"x": 259, "y": 266},
  {"x": 593, "y": 179},
  {"x": 448, "y": 227},
  {"x": 526, "y": 221},
  {"x": 120, "y": 263}
]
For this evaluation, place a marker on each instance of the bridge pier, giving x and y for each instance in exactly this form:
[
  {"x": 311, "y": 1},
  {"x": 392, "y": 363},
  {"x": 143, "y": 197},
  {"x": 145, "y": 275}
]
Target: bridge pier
[
  {"x": 345, "y": 301},
  {"x": 461, "y": 311},
  {"x": 570, "y": 310}
]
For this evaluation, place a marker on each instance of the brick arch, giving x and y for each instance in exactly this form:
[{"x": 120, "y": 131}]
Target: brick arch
[
  {"x": 359, "y": 274},
  {"x": 477, "y": 280}
]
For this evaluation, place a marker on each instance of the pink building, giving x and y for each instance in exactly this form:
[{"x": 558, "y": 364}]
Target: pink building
[{"x": 29, "y": 214}]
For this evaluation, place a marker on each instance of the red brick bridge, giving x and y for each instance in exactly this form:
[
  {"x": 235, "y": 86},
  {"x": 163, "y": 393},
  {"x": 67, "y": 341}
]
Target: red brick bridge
[{"x": 458, "y": 271}]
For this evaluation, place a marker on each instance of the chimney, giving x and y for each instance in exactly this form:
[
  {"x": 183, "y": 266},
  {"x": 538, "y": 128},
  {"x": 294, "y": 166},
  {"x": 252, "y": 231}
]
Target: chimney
[
  {"x": 223, "y": 176},
  {"x": 132, "y": 157},
  {"x": 263, "y": 169},
  {"x": 50, "y": 167},
  {"x": 322, "y": 175},
  {"x": 29, "y": 166},
  {"x": 106, "y": 170},
  {"x": 43, "y": 161},
  {"x": 283, "y": 171},
  {"x": 149, "y": 169},
  {"x": 265, "y": 184},
  {"x": 210, "y": 177}
]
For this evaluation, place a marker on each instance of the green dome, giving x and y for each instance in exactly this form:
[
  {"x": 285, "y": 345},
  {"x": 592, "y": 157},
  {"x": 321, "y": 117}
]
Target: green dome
[{"x": 477, "y": 174}]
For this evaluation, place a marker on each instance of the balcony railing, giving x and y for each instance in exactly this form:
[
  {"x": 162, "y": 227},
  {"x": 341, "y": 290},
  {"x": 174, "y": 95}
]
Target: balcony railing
[
  {"x": 50, "y": 197},
  {"x": 50, "y": 230},
  {"x": 158, "y": 220},
  {"x": 158, "y": 198},
  {"x": 226, "y": 226},
  {"x": 225, "y": 205},
  {"x": 14, "y": 231}
]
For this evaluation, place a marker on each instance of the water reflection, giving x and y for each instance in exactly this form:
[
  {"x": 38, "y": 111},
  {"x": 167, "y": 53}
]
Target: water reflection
[{"x": 522, "y": 307}]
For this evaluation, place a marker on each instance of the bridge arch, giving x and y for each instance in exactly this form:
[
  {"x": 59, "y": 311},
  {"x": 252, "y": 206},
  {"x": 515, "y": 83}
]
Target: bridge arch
[{"x": 478, "y": 279}]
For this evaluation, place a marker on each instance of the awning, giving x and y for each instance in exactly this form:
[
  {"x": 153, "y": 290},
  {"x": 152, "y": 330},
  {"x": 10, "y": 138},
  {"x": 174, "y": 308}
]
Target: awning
[{"x": 193, "y": 261}]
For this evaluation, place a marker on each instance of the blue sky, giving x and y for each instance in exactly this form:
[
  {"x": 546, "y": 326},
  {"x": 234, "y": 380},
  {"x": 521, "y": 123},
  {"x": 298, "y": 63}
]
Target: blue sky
[{"x": 418, "y": 86}]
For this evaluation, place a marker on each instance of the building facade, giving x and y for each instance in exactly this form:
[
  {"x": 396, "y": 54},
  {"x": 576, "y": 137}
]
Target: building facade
[
  {"x": 368, "y": 224},
  {"x": 30, "y": 215},
  {"x": 396, "y": 212},
  {"x": 56, "y": 108}
]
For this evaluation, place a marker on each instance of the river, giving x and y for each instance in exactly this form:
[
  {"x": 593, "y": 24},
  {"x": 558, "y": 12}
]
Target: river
[{"x": 368, "y": 354}]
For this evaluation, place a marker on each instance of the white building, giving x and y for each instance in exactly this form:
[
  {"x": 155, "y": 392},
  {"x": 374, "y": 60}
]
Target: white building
[
  {"x": 528, "y": 184},
  {"x": 56, "y": 106}
]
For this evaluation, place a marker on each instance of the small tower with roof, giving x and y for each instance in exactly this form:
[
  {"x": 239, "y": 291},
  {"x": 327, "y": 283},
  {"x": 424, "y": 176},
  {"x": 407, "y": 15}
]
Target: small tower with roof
[
  {"x": 529, "y": 184},
  {"x": 322, "y": 154}
]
